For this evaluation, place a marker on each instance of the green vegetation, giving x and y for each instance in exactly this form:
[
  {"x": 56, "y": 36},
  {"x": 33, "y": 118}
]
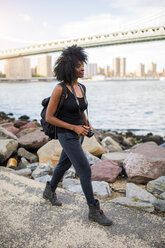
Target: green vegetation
[{"x": 37, "y": 75}]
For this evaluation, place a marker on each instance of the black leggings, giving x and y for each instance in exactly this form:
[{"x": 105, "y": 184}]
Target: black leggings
[{"x": 73, "y": 153}]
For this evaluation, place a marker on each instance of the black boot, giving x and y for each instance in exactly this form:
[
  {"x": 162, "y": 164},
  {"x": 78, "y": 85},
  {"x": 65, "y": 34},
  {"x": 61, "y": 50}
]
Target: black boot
[
  {"x": 50, "y": 195},
  {"x": 96, "y": 214}
]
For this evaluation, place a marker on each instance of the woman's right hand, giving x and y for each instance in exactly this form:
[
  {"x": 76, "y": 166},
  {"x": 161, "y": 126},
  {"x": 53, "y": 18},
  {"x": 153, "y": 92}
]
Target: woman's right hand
[{"x": 81, "y": 130}]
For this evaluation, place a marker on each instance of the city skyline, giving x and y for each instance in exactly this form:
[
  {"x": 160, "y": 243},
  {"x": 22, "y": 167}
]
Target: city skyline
[
  {"x": 21, "y": 68},
  {"x": 30, "y": 22}
]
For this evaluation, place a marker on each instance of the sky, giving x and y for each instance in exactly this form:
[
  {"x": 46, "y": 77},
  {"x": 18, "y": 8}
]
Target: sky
[{"x": 23, "y": 23}]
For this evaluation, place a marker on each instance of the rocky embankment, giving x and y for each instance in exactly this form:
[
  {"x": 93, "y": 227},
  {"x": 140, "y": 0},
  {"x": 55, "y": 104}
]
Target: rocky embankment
[{"x": 126, "y": 169}]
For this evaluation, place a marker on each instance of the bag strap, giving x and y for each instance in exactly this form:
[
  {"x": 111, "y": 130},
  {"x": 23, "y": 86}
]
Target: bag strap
[
  {"x": 77, "y": 101},
  {"x": 64, "y": 92}
]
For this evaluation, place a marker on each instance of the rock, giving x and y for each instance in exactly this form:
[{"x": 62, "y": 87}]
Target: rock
[
  {"x": 7, "y": 147},
  {"x": 91, "y": 145},
  {"x": 144, "y": 163},
  {"x": 12, "y": 162},
  {"x": 33, "y": 166},
  {"x": 136, "y": 193},
  {"x": 148, "y": 143},
  {"x": 99, "y": 188},
  {"x": 162, "y": 196},
  {"x": 91, "y": 159},
  {"x": 43, "y": 179},
  {"x": 159, "y": 204},
  {"x": 33, "y": 140},
  {"x": 70, "y": 173},
  {"x": 23, "y": 172},
  {"x": 26, "y": 131},
  {"x": 129, "y": 142},
  {"x": 162, "y": 145},
  {"x": 50, "y": 152},
  {"x": 42, "y": 170},
  {"x": 111, "y": 144},
  {"x": 23, "y": 163},
  {"x": 157, "y": 186},
  {"x": 4, "y": 134},
  {"x": 127, "y": 202},
  {"x": 29, "y": 125},
  {"x": 24, "y": 118},
  {"x": 22, "y": 152},
  {"x": 106, "y": 170},
  {"x": 156, "y": 138},
  {"x": 19, "y": 124},
  {"x": 118, "y": 157},
  {"x": 9, "y": 126}
]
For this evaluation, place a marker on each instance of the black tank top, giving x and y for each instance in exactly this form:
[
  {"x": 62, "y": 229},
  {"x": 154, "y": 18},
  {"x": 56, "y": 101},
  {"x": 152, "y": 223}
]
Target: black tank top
[{"x": 70, "y": 110}]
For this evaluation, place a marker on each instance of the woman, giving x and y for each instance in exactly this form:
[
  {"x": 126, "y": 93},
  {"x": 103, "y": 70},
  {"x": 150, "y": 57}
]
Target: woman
[{"x": 70, "y": 129}]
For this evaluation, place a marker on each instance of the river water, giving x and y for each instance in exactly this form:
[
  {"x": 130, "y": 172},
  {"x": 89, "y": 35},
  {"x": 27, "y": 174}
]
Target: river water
[{"x": 138, "y": 106}]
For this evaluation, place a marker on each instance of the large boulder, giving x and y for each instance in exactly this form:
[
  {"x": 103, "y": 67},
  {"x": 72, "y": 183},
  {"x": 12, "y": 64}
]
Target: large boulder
[
  {"x": 22, "y": 152},
  {"x": 33, "y": 140},
  {"x": 157, "y": 186},
  {"x": 118, "y": 157},
  {"x": 26, "y": 131},
  {"x": 7, "y": 147},
  {"x": 50, "y": 152},
  {"x": 4, "y": 134},
  {"x": 29, "y": 125},
  {"x": 111, "y": 144},
  {"x": 26, "y": 172},
  {"x": 106, "y": 170},
  {"x": 145, "y": 163},
  {"x": 138, "y": 194},
  {"x": 42, "y": 170},
  {"x": 91, "y": 158},
  {"x": 99, "y": 188},
  {"x": 91, "y": 145},
  {"x": 9, "y": 126}
]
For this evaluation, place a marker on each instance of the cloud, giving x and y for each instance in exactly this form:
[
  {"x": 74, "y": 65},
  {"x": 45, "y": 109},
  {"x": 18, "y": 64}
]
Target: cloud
[
  {"x": 139, "y": 17},
  {"x": 46, "y": 25},
  {"x": 26, "y": 18}
]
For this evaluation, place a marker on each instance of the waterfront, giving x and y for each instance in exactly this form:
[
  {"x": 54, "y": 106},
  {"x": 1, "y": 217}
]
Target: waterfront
[{"x": 130, "y": 105}]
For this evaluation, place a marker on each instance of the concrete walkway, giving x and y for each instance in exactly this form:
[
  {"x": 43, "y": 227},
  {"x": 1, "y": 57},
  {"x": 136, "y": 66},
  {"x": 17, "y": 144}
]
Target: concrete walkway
[{"x": 29, "y": 221}]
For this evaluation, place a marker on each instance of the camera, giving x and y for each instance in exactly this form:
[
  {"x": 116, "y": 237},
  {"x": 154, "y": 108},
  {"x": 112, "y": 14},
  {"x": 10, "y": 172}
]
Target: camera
[{"x": 90, "y": 133}]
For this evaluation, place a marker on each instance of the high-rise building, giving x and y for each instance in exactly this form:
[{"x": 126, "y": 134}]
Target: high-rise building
[
  {"x": 122, "y": 67},
  {"x": 18, "y": 68},
  {"x": 44, "y": 66},
  {"x": 107, "y": 69},
  {"x": 119, "y": 66},
  {"x": 152, "y": 69},
  {"x": 90, "y": 70},
  {"x": 140, "y": 71},
  {"x": 116, "y": 66}
]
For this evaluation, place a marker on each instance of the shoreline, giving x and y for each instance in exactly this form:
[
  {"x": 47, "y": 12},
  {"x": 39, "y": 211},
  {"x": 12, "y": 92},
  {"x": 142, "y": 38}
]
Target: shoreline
[
  {"x": 97, "y": 79},
  {"x": 135, "y": 133}
]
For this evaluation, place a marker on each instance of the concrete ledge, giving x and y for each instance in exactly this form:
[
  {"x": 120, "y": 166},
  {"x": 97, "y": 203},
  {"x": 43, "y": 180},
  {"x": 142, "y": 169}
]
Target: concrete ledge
[{"x": 29, "y": 221}]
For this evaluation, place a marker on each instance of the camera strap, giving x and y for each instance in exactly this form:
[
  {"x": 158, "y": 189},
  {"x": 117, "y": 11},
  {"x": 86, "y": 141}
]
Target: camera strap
[{"x": 77, "y": 101}]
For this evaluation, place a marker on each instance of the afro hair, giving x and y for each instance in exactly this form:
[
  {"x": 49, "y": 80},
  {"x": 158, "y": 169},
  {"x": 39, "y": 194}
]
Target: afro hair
[{"x": 64, "y": 69}]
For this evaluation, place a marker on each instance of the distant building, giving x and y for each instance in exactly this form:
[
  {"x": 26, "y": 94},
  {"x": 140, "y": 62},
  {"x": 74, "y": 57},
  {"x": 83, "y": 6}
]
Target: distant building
[
  {"x": 44, "y": 66},
  {"x": 90, "y": 70},
  {"x": 107, "y": 70},
  {"x": 152, "y": 69},
  {"x": 123, "y": 67},
  {"x": 116, "y": 66},
  {"x": 119, "y": 66},
  {"x": 100, "y": 70},
  {"x": 140, "y": 71},
  {"x": 34, "y": 70},
  {"x": 18, "y": 68}
]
